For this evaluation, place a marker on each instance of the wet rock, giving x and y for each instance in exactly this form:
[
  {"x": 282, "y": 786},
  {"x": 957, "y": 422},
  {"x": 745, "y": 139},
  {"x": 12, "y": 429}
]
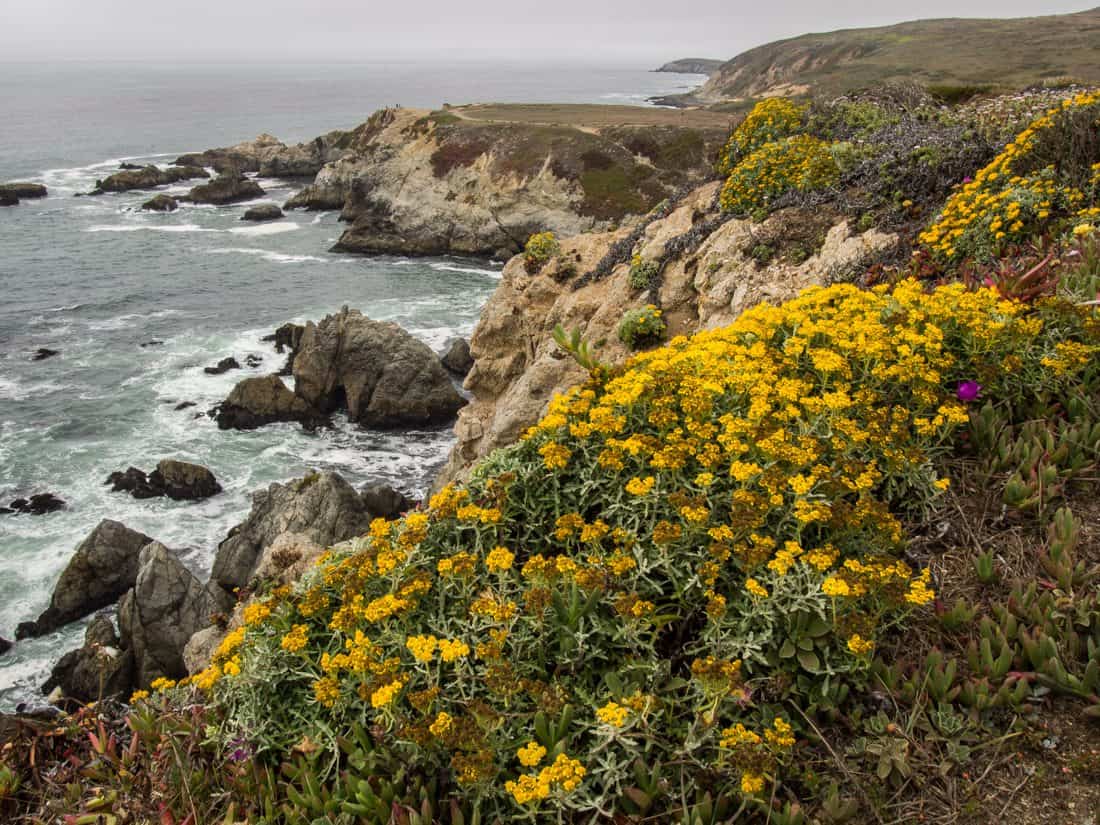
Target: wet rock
[
  {"x": 184, "y": 405},
  {"x": 178, "y": 480},
  {"x": 322, "y": 507},
  {"x": 457, "y": 358},
  {"x": 100, "y": 669},
  {"x": 161, "y": 203},
  {"x": 5, "y": 645},
  {"x": 42, "y": 353},
  {"x": 287, "y": 338},
  {"x": 380, "y": 373},
  {"x": 225, "y": 365},
  {"x": 23, "y": 190},
  {"x": 263, "y": 212},
  {"x": 255, "y": 402},
  {"x": 383, "y": 501},
  {"x": 147, "y": 177},
  {"x": 253, "y": 361},
  {"x": 226, "y": 188},
  {"x": 166, "y": 606},
  {"x": 153, "y": 343},
  {"x": 104, "y": 566},
  {"x": 8, "y": 199},
  {"x": 37, "y": 505}
]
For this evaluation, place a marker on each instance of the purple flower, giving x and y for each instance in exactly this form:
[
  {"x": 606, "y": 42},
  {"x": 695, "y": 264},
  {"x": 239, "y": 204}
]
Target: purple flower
[
  {"x": 969, "y": 391},
  {"x": 968, "y": 179}
]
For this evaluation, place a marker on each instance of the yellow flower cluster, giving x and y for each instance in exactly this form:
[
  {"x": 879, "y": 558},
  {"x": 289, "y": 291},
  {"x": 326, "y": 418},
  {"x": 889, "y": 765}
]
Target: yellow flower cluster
[
  {"x": 565, "y": 773},
  {"x": 531, "y": 754},
  {"x": 769, "y": 120},
  {"x": 613, "y": 714},
  {"x": 801, "y": 163},
  {"x": 499, "y": 559},
  {"x": 1010, "y": 198},
  {"x": 296, "y": 639}
]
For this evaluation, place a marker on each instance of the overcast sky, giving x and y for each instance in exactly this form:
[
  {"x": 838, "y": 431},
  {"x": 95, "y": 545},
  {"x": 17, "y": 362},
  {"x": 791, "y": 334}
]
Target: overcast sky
[{"x": 362, "y": 30}]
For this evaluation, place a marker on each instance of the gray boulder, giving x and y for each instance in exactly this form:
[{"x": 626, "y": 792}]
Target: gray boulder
[
  {"x": 264, "y": 400},
  {"x": 8, "y": 199},
  {"x": 165, "y": 608},
  {"x": 103, "y": 568},
  {"x": 383, "y": 501},
  {"x": 263, "y": 212},
  {"x": 457, "y": 358},
  {"x": 230, "y": 187},
  {"x": 23, "y": 190},
  {"x": 185, "y": 481},
  {"x": 100, "y": 669},
  {"x": 382, "y": 375},
  {"x": 161, "y": 203},
  {"x": 321, "y": 508}
]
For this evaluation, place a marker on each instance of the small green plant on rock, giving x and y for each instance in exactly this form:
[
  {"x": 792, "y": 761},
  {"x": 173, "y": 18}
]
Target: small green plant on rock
[
  {"x": 641, "y": 327},
  {"x": 540, "y": 248},
  {"x": 643, "y": 273}
]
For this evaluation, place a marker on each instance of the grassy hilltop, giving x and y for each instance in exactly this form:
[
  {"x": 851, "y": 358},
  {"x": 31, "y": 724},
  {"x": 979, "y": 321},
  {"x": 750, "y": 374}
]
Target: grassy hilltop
[{"x": 1003, "y": 54}]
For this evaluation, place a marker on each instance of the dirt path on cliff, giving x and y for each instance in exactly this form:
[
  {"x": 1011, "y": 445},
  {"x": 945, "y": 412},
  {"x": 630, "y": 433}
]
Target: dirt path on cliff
[{"x": 590, "y": 118}]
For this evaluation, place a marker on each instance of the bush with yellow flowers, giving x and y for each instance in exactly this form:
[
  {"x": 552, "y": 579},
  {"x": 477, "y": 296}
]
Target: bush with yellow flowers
[
  {"x": 799, "y": 163},
  {"x": 646, "y": 593},
  {"x": 540, "y": 248},
  {"x": 641, "y": 327},
  {"x": 1047, "y": 180},
  {"x": 770, "y": 120}
]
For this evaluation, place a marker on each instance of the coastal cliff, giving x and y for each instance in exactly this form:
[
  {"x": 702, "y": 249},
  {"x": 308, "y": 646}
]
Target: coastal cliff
[{"x": 480, "y": 181}]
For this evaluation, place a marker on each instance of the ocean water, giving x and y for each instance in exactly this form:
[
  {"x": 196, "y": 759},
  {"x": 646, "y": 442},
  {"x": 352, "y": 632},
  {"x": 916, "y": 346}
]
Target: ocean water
[{"x": 96, "y": 278}]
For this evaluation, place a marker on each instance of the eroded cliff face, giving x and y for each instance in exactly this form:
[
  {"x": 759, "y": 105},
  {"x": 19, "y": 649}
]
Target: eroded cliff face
[
  {"x": 418, "y": 182},
  {"x": 713, "y": 269}
]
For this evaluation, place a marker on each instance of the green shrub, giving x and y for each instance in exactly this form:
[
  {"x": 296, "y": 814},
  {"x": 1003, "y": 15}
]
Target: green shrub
[
  {"x": 769, "y": 120},
  {"x": 643, "y": 273},
  {"x": 540, "y": 248},
  {"x": 641, "y": 327}
]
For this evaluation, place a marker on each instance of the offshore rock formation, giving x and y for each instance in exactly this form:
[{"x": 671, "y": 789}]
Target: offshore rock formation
[
  {"x": 228, "y": 187},
  {"x": 712, "y": 269},
  {"x": 177, "y": 480},
  {"x": 380, "y": 373},
  {"x": 270, "y": 157},
  {"x": 255, "y": 402},
  {"x": 147, "y": 177},
  {"x": 420, "y": 182}
]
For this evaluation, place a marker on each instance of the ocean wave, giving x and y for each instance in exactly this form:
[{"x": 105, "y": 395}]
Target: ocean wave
[
  {"x": 182, "y": 228},
  {"x": 265, "y": 229},
  {"x": 468, "y": 270},
  {"x": 128, "y": 320},
  {"x": 267, "y": 255}
]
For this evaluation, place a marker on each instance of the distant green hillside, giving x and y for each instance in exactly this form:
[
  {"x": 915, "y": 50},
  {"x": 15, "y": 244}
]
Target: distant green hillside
[{"x": 1005, "y": 54}]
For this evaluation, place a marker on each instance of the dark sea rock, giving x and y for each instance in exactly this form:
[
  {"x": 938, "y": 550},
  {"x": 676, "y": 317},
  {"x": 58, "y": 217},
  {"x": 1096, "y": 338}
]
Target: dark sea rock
[
  {"x": 263, "y": 212},
  {"x": 5, "y": 645},
  {"x": 225, "y": 365},
  {"x": 255, "y": 402},
  {"x": 147, "y": 177},
  {"x": 321, "y": 506},
  {"x": 178, "y": 480},
  {"x": 153, "y": 343},
  {"x": 166, "y": 606},
  {"x": 458, "y": 359},
  {"x": 42, "y": 353},
  {"x": 226, "y": 188},
  {"x": 8, "y": 199},
  {"x": 23, "y": 190},
  {"x": 287, "y": 338},
  {"x": 37, "y": 505},
  {"x": 161, "y": 203},
  {"x": 383, "y": 501},
  {"x": 183, "y": 405},
  {"x": 253, "y": 361},
  {"x": 100, "y": 669},
  {"x": 104, "y": 566},
  {"x": 380, "y": 373}
]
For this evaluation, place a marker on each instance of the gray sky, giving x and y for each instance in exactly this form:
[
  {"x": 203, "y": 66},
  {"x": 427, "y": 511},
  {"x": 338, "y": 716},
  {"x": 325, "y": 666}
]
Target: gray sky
[{"x": 362, "y": 30}]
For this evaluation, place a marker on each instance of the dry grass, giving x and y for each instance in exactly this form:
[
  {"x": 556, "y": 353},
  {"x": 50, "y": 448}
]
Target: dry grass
[{"x": 590, "y": 117}]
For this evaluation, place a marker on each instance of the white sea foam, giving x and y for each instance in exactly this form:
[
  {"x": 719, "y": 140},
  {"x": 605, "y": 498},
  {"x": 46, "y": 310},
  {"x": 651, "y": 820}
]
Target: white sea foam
[
  {"x": 181, "y": 228},
  {"x": 468, "y": 270},
  {"x": 265, "y": 229},
  {"x": 267, "y": 255}
]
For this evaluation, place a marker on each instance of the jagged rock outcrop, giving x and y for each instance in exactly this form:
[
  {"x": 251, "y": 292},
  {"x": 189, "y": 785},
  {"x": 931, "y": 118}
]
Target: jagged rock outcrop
[
  {"x": 166, "y": 606},
  {"x": 287, "y": 338},
  {"x": 457, "y": 358},
  {"x": 255, "y": 402},
  {"x": 100, "y": 669},
  {"x": 263, "y": 212},
  {"x": 229, "y": 187},
  {"x": 147, "y": 177},
  {"x": 270, "y": 157},
  {"x": 382, "y": 375},
  {"x": 223, "y": 366},
  {"x": 179, "y": 480},
  {"x": 37, "y": 505},
  {"x": 711, "y": 270},
  {"x": 20, "y": 190},
  {"x": 161, "y": 203},
  {"x": 419, "y": 182},
  {"x": 322, "y": 507},
  {"x": 103, "y": 568}
]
